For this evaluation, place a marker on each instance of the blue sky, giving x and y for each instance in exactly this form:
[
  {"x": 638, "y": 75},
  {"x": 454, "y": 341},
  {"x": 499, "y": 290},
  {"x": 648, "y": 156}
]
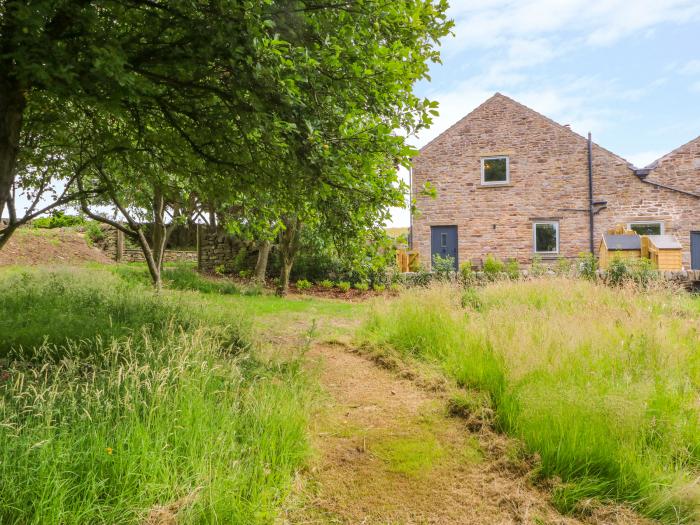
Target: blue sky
[{"x": 627, "y": 71}]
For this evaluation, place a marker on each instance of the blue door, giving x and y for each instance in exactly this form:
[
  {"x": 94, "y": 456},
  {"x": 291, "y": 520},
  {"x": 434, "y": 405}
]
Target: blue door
[
  {"x": 443, "y": 242},
  {"x": 695, "y": 250}
]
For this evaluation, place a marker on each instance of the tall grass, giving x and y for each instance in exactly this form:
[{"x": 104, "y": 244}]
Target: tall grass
[
  {"x": 72, "y": 306},
  {"x": 144, "y": 416},
  {"x": 602, "y": 384}
]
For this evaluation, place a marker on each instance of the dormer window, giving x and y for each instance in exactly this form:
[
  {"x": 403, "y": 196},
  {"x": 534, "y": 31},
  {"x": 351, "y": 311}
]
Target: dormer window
[{"x": 495, "y": 171}]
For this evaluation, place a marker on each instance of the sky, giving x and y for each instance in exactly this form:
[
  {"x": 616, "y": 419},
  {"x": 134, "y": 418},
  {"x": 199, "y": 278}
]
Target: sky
[{"x": 628, "y": 71}]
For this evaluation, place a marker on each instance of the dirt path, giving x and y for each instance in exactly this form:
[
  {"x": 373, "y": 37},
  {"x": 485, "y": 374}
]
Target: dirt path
[{"x": 389, "y": 454}]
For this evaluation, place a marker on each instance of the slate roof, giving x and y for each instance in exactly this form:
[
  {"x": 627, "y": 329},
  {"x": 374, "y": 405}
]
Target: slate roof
[
  {"x": 665, "y": 241},
  {"x": 623, "y": 242}
]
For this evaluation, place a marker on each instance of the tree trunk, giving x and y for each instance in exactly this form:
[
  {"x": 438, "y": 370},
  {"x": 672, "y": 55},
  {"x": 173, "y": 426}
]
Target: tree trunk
[
  {"x": 154, "y": 268},
  {"x": 159, "y": 229},
  {"x": 288, "y": 245},
  {"x": 12, "y": 104},
  {"x": 261, "y": 265}
]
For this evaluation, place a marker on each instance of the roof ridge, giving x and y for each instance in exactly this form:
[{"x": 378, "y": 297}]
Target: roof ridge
[{"x": 497, "y": 95}]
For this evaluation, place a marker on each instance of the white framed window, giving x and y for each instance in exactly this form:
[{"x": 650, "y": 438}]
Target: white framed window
[
  {"x": 545, "y": 237},
  {"x": 647, "y": 227},
  {"x": 495, "y": 170}
]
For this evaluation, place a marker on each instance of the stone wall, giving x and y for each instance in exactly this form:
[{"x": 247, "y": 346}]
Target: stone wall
[
  {"x": 133, "y": 255},
  {"x": 548, "y": 182},
  {"x": 218, "y": 248},
  {"x": 115, "y": 247}
]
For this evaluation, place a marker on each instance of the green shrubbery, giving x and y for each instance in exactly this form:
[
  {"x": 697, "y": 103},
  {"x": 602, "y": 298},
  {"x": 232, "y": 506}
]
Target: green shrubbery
[
  {"x": 303, "y": 284},
  {"x": 121, "y": 401},
  {"x": 58, "y": 219},
  {"x": 361, "y": 286},
  {"x": 601, "y": 384},
  {"x": 343, "y": 286},
  {"x": 443, "y": 267}
]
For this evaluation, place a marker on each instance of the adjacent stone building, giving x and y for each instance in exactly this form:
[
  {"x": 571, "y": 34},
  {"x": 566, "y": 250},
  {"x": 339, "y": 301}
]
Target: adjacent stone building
[{"x": 508, "y": 181}]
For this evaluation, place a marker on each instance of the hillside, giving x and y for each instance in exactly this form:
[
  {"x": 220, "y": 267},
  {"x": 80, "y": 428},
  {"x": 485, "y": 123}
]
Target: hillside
[{"x": 31, "y": 246}]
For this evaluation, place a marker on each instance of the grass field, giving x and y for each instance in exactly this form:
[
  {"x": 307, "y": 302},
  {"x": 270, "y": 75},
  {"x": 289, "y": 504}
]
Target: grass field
[
  {"x": 119, "y": 406},
  {"x": 123, "y": 406},
  {"x": 602, "y": 384}
]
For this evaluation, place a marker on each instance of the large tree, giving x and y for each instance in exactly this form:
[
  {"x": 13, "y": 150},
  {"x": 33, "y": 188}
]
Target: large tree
[
  {"x": 205, "y": 70},
  {"x": 306, "y": 101}
]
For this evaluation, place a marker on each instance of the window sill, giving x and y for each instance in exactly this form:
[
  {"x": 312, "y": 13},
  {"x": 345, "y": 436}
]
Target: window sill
[
  {"x": 546, "y": 256},
  {"x": 499, "y": 185}
]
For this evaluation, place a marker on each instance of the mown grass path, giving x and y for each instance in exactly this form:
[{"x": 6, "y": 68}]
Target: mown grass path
[{"x": 388, "y": 453}]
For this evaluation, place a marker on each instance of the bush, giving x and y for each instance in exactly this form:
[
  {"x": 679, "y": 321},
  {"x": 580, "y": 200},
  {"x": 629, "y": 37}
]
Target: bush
[
  {"x": 512, "y": 270},
  {"x": 379, "y": 288},
  {"x": 343, "y": 286},
  {"x": 58, "y": 219},
  {"x": 94, "y": 232},
  {"x": 326, "y": 283},
  {"x": 588, "y": 266},
  {"x": 303, "y": 284},
  {"x": 245, "y": 274},
  {"x": 618, "y": 272},
  {"x": 395, "y": 288},
  {"x": 361, "y": 286},
  {"x": 466, "y": 274},
  {"x": 493, "y": 267},
  {"x": 443, "y": 266}
]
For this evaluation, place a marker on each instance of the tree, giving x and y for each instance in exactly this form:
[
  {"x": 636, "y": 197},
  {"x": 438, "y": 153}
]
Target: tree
[
  {"x": 304, "y": 101},
  {"x": 206, "y": 70}
]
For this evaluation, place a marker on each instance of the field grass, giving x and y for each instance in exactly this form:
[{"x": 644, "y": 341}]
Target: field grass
[
  {"x": 118, "y": 405},
  {"x": 601, "y": 383}
]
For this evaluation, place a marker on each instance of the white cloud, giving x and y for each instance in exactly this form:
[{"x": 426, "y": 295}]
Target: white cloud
[
  {"x": 595, "y": 22},
  {"x": 690, "y": 68}
]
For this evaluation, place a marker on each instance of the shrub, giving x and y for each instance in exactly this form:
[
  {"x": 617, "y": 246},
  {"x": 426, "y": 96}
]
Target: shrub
[
  {"x": 379, "y": 288},
  {"x": 303, "y": 284},
  {"x": 587, "y": 266},
  {"x": 245, "y": 274},
  {"x": 618, "y": 272},
  {"x": 643, "y": 272},
  {"x": 343, "y": 286},
  {"x": 395, "y": 288},
  {"x": 94, "y": 232},
  {"x": 326, "y": 283},
  {"x": 421, "y": 278},
  {"x": 493, "y": 267},
  {"x": 512, "y": 270},
  {"x": 58, "y": 219},
  {"x": 466, "y": 275},
  {"x": 443, "y": 266},
  {"x": 361, "y": 286}
]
